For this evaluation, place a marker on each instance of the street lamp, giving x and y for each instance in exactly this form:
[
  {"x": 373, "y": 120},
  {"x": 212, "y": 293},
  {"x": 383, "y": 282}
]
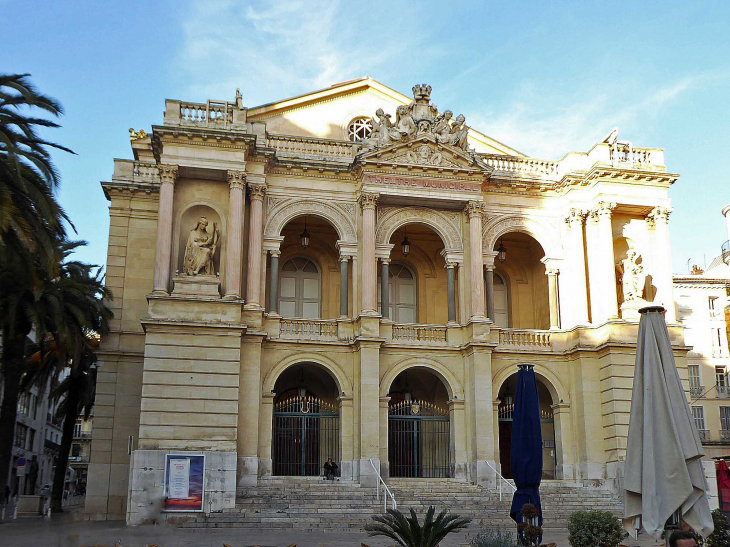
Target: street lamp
[{"x": 501, "y": 252}]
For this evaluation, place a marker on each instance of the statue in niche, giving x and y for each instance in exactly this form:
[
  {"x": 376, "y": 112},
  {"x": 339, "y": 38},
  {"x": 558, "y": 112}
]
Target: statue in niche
[
  {"x": 200, "y": 249},
  {"x": 632, "y": 276}
]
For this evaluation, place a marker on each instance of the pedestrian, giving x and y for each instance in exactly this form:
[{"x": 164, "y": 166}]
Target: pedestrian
[
  {"x": 330, "y": 468},
  {"x": 682, "y": 538}
]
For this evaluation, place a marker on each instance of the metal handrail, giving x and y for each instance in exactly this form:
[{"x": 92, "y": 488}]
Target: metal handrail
[
  {"x": 386, "y": 490},
  {"x": 499, "y": 476}
]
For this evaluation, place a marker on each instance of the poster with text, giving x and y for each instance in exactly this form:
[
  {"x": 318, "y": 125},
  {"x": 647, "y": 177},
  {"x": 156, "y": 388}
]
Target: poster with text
[{"x": 184, "y": 482}]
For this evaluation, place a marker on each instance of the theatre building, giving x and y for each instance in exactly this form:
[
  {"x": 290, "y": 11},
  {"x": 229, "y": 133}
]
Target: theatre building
[{"x": 356, "y": 274}]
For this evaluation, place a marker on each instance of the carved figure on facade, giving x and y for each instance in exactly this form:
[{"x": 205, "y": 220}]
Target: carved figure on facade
[
  {"x": 632, "y": 276},
  {"x": 416, "y": 119},
  {"x": 136, "y": 135},
  {"x": 200, "y": 249}
]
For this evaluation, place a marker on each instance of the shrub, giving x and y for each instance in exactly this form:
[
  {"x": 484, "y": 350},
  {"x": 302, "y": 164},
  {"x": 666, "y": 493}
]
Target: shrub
[
  {"x": 494, "y": 538},
  {"x": 594, "y": 529},
  {"x": 721, "y": 536}
]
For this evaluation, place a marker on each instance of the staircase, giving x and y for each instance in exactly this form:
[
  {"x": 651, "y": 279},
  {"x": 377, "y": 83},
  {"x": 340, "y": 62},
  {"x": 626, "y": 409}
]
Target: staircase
[{"x": 307, "y": 503}]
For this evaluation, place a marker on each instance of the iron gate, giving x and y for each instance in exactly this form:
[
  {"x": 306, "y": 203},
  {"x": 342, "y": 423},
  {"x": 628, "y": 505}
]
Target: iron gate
[
  {"x": 418, "y": 440},
  {"x": 306, "y": 432}
]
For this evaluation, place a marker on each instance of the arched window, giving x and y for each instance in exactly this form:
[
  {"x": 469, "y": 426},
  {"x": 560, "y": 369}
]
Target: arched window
[
  {"x": 402, "y": 293},
  {"x": 501, "y": 302},
  {"x": 299, "y": 289},
  {"x": 359, "y": 128}
]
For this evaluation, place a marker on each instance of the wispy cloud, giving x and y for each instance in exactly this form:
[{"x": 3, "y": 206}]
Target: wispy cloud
[{"x": 274, "y": 50}]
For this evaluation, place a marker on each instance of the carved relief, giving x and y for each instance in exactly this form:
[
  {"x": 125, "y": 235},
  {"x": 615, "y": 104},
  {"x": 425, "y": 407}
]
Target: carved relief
[
  {"x": 423, "y": 155},
  {"x": 342, "y": 218},
  {"x": 394, "y": 218}
]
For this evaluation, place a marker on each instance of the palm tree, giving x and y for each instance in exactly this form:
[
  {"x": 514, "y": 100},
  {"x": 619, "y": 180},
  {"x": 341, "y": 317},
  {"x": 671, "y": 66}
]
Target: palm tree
[
  {"x": 408, "y": 532},
  {"x": 31, "y": 223},
  {"x": 75, "y": 315}
]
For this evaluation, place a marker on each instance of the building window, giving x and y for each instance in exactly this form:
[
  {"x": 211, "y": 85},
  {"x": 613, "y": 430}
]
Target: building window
[
  {"x": 21, "y": 434},
  {"x": 359, "y": 129},
  {"x": 698, "y": 413},
  {"x": 23, "y": 404},
  {"x": 695, "y": 382},
  {"x": 716, "y": 342},
  {"x": 31, "y": 439},
  {"x": 725, "y": 418},
  {"x": 401, "y": 294},
  {"x": 713, "y": 307},
  {"x": 299, "y": 289},
  {"x": 77, "y": 428},
  {"x": 720, "y": 377}
]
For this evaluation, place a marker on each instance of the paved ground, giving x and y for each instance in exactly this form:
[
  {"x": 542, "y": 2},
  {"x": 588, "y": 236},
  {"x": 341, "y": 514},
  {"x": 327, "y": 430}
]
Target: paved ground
[{"x": 62, "y": 531}]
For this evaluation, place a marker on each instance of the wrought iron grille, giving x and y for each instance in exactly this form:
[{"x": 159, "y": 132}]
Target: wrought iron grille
[
  {"x": 306, "y": 432},
  {"x": 418, "y": 440},
  {"x": 506, "y": 414}
]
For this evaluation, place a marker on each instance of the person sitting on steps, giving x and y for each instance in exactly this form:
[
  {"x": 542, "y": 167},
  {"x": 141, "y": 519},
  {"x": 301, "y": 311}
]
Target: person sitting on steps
[{"x": 330, "y": 468}]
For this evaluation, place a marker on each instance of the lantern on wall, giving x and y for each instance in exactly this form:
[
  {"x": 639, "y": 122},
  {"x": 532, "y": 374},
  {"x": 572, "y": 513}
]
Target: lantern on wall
[
  {"x": 304, "y": 236},
  {"x": 501, "y": 252},
  {"x": 405, "y": 245}
]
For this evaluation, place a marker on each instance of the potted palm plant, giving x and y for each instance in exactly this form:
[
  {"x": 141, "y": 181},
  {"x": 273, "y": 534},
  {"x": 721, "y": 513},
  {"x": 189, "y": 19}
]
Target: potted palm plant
[{"x": 409, "y": 532}]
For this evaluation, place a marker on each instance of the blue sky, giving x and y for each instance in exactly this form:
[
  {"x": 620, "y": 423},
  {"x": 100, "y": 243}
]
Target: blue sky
[{"x": 544, "y": 77}]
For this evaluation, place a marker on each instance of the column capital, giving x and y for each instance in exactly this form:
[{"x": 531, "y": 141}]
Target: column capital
[
  {"x": 168, "y": 173},
  {"x": 602, "y": 210},
  {"x": 488, "y": 258},
  {"x": 275, "y": 252},
  {"x": 658, "y": 215},
  {"x": 474, "y": 209},
  {"x": 450, "y": 264},
  {"x": 576, "y": 217},
  {"x": 257, "y": 190},
  {"x": 368, "y": 201},
  {"x": 236, "y": 179},
  {"x": 385, "y": 260},
  {"x": 552, "y": 265}
]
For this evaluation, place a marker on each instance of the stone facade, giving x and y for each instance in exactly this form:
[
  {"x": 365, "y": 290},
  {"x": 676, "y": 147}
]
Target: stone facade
[{"x": 491, "y": 258}]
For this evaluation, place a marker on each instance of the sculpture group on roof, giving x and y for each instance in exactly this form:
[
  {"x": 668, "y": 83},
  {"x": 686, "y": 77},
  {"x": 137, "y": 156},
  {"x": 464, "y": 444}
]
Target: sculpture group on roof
[{"x": 416, "y": 119}]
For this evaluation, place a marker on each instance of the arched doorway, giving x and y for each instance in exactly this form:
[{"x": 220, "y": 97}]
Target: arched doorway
[
  {"x": 306, "y": 421},
  {"x": 505, "y": 416},
  {"x": 402, "y": 293},
  {"x": 419, "y": 436}
]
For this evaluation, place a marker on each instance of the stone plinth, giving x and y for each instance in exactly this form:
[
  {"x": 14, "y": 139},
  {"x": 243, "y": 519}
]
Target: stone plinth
[
  {"x": 630, "y": 309},
  {"x": 197, "y": 285},
  {"x": 29, "y": 506}
]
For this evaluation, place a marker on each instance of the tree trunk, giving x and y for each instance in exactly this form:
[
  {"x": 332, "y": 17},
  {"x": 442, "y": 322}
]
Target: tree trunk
[
  {"x": 69, "y": 421},
  {"x": 12, "y": 368}
]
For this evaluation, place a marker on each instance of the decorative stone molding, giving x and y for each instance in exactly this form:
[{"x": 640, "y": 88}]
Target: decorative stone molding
[
  {"x": 392, "y": 219},
  {"x": 236, "y": 179},
  {"x": 332, "y": 211},
  {"x": 474, "y": 208},
  {"x": 368, "y": 201},
  {"x": 658, "y": 215},
  {"x": 546, "y": 235},
  {"x": 257, "y": 190},
  {"x": 602, "y": 210},
  {"x": 168, "y": 173}
]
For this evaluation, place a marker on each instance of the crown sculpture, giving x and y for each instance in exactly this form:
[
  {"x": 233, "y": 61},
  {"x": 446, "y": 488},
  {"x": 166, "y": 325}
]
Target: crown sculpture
[{"x": 415, "y": 120}]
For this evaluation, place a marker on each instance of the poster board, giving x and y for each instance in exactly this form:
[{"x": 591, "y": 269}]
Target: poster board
[{"x": 184, "y": 480}]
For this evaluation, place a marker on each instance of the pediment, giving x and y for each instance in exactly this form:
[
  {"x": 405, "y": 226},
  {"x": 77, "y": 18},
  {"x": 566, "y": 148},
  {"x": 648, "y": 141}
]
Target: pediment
[{"x": 423, "y": 152}]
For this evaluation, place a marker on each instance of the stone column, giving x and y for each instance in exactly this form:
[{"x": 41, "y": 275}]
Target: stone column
[
  {"x": 266, "y": 431},
  {"x": 601, "y": 264},
  {"x": 457, "y": 424},
  {"x": 274, "y": 283},
  {"x": 577, "y": 270},
  {"x": 369, "y": 412},
  {"x": 255, "y": 246},
  {"x": 563, "y": 440},
  {"x": 347, "y": 461},
  {"x": 658, "y": 219},
  {"x": 451, "y": 290},
  {"x": 478, "y": 364},
  {"x": 236, "y": 184},
  {"x": 552, "y": 274},
  {"x": 369, "y": 262},
  {"x": 490, "y": 292},
  {"x": 474, "y": 210},
  {"x": 249, "y": 400},
  {"x": 344, "y": 282},
  {"x": 384, "y": 288},
  {"x": 163, "y": 251},
  {"x": 384, "y": 462}
]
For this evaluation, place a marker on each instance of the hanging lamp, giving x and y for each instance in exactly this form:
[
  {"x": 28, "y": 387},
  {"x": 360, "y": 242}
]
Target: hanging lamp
[
  {"x": 304, "y": 236},
  {"x": 405, "y": 245},
  {"x": 501, "y": 252}
]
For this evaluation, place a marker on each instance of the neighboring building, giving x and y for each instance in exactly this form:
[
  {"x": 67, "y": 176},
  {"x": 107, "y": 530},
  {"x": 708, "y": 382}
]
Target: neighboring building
[
  {"x": 702, "y": 306},
  {"x": 287, "y": 347},
  {"x": 37, "y": 435},
  {"x": 78, "y": 460}
]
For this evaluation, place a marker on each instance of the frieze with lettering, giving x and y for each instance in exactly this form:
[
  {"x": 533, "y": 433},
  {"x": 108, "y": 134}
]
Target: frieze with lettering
[{"x": 407, "y": 182}]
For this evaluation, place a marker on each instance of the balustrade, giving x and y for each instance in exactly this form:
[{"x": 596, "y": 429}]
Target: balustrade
[
  {"x": 298, "y": 146},
  {"x": 421, "y": 334},
  {"x": 308, "y": 329},
  {"x": 210, "y": 114},
  {"x": 529, "y": 166},
  {"x": 525, "y": 338},
  {"x": 637, "y": 157}
]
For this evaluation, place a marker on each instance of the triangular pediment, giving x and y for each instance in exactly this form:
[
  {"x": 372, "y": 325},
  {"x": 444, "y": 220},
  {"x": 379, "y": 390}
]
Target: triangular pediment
[{"x": 422, "y": 152}]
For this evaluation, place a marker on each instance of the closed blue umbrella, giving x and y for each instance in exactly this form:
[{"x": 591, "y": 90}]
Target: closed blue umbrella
[{"x": 526, "y": 453}]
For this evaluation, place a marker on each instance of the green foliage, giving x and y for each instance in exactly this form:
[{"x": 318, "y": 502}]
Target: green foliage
[
  {"x": 408, "y": 532},
  {"x": 594, "y": 529},
  {"x": 721, "y": 536},
  {"x": 494, "y": 538}
]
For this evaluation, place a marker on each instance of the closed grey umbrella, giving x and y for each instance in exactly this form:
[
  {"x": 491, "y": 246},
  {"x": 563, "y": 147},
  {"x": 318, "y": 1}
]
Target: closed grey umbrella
[{"x": 663, "y": 471}]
